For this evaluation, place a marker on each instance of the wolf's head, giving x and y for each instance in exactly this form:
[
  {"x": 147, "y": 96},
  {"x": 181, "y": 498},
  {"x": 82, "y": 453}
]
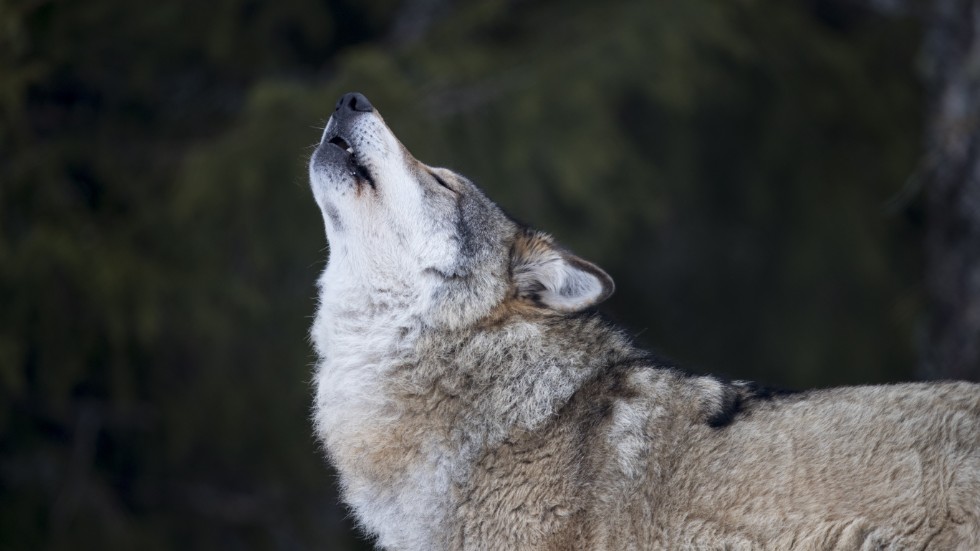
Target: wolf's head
[{"x": 398, "y": 226}]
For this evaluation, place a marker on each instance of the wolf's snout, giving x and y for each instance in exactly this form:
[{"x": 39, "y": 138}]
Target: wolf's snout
[{"x": 353, "y": 101}]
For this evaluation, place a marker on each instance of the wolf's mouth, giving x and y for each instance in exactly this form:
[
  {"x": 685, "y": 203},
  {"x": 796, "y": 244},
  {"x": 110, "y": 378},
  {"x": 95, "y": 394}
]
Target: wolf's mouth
[
  {"x": 342, "y": 143},
  {"x": 360, "y": 171}
]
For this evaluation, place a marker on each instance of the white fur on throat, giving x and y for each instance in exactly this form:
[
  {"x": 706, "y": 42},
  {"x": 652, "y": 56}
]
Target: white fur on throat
[{"x": 360, "y": 334}]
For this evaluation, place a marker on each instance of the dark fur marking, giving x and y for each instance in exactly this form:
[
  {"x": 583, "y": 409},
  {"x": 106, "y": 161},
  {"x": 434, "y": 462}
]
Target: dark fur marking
[
  {"x": 739, "y": 397},
  {"x": 466, "y": 211},
  {"x": 732, "y": 404}
]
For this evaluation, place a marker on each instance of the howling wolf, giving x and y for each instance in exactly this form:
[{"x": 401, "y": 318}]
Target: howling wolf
[{"x": 470, "y": 398}]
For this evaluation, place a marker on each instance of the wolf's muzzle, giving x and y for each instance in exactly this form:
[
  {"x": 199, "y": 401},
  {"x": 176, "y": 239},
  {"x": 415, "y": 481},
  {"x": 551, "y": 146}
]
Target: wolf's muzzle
[{"x": 340, "y": 140}]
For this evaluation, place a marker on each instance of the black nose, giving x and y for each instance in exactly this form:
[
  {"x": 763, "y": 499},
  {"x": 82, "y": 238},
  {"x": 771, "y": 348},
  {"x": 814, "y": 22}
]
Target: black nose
[{"x": 353, "y": 101}]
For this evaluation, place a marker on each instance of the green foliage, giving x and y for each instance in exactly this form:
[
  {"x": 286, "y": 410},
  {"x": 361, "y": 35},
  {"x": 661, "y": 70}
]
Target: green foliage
[{"x": 729, "y": 163}]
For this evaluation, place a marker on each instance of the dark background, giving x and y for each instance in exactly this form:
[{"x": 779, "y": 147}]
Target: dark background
[{"x": 754, "y": 174}]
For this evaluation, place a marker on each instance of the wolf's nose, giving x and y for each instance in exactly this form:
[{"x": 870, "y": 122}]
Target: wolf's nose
[{"x": 353, "y": 101}]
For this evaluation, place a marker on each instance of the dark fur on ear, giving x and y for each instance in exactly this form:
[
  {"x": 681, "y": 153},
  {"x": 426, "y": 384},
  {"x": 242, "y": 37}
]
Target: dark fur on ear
[{"x": 554, "y": 278}]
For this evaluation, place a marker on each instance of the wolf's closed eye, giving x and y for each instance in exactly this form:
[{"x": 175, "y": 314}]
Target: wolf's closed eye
[{"x": 442, "y": 182}]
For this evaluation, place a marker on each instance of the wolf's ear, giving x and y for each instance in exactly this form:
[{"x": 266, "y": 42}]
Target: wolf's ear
[{"x": 554, "y": 278}]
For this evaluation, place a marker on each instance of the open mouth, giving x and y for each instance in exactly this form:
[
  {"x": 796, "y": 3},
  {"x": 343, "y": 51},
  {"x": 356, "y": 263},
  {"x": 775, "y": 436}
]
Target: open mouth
[
  {"x": 342, "y": 143},
  {"x": 359, "y": 171}
]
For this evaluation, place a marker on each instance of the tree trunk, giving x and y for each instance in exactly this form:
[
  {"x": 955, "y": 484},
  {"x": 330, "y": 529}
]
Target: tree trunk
[{"x": 952, "y": 194}]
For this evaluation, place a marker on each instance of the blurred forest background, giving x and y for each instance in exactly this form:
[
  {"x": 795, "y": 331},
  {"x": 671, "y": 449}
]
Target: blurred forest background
[{"x": 754, "y": 174}]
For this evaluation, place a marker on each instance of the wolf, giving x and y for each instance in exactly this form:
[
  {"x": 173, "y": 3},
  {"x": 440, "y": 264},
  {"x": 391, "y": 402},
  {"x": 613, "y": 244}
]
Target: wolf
[{"x": 470, "y": 397}]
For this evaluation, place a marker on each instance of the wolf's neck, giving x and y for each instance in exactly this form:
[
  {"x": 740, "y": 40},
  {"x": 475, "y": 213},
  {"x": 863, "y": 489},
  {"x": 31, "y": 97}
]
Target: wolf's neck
[
  {"x": 403, "y": 409},
  {"x": 514, "y": 376}
]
